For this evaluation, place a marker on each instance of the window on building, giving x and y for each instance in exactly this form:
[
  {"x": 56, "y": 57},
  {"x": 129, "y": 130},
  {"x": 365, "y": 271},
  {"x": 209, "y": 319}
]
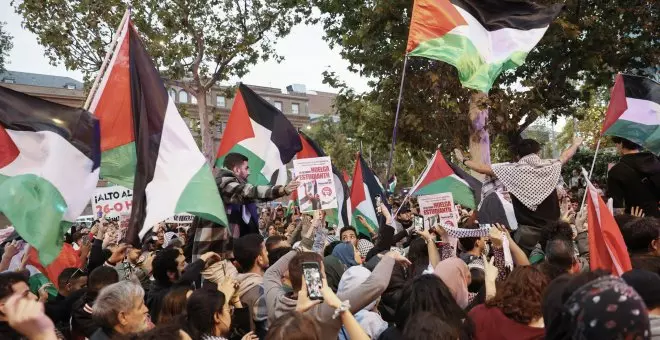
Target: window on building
[
  {"x": 278, "y": 105},
  {"x": 172, "y": 93},
  {"x": 295, "y": 108},
  {"x": 220, "y": 101},
  {"x": 70, "y": 86},
  {"x": 183, "y": 96},
  {"x": 193, "y": 99}
]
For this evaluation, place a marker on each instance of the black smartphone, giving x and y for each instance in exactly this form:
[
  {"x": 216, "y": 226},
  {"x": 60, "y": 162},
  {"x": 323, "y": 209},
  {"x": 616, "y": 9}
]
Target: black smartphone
[
  {"x": 418, "y": 223},
  {"x": 312, "y": 277}
]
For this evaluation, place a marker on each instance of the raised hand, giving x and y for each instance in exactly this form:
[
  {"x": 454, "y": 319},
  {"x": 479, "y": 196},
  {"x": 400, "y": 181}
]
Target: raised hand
[
  {"x": 304, "y": 303},
  {"x": 637, "y": 212}
]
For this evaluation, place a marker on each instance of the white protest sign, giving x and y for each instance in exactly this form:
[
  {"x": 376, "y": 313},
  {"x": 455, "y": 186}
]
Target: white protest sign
[
  {"x": 115, "y": 198},
  {"x": 438, "y": 208},
  {"x": 317, "y": 185},
  {"x": 182, "y": 218}
]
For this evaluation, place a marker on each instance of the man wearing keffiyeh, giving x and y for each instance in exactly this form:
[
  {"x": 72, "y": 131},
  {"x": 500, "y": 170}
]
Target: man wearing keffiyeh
[
  {"x": 532, "y": 183},
  {"x": 239, "y": 198}
]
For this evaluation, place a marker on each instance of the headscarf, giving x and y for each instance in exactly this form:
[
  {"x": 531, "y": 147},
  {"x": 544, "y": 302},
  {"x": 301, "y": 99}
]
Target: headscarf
[
  {"x": 372, "y": 323},
  {"x": 455, "y": 273},
  {"x": 345, "y": 252},
  {"x": 334, "y": 270},
  {"x": 169, "y": 236},
  {"x": 607, "y": 308},
  {"x": 363, "y": 247}
]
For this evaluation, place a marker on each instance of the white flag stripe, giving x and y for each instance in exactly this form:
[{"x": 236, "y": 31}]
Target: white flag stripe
[
  {"x": 48, "y": 155},
  {"x": 496, "y": 46},
  {"x": 179, "y": 159},
  {"x": 642, "y": 111}
]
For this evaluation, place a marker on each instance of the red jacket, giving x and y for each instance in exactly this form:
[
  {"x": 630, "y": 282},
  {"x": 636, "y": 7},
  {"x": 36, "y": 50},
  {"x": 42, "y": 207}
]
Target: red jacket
[{"x": 492, "y": 324}]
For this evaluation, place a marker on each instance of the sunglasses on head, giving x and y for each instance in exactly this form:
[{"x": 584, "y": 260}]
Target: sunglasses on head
[{"x": 82, "y": 272}]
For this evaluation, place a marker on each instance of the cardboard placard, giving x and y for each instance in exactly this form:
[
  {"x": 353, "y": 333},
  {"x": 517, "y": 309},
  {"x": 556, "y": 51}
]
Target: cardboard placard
[
  {"x": 438, "y": 209},
  {"x": 115, "y": 198},
  {"x": 317, "y": 185}
]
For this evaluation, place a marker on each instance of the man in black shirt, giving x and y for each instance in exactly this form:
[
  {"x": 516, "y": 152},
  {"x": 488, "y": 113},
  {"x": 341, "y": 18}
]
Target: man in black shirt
[{"x": 635, "y": 180}]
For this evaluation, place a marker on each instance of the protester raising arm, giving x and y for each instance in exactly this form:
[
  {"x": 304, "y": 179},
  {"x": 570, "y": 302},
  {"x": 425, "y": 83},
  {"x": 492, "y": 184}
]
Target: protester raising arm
[
  {"x": 237, "y": 192},
  {"x": 518, "y": 255},
  {"x": 570, "y": 152},
  {"x": 11, "y": 249},
  {"x": 474, "y": 165},
  {"x": 434, "y": 256},
  {"x": 343, "y": 310},
  {"x": 27, "y": 317}
]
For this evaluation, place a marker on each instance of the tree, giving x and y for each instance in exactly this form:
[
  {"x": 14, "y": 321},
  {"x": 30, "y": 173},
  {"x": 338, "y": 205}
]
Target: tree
[
  {"x": 581, "y": 52},
  {"x": 196, "y": 42},
  {"x": 5, "y": 45}
]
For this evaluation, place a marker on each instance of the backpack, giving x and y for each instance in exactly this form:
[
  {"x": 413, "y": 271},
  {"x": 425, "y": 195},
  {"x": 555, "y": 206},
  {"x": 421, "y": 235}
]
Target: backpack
[{"x": 651, "y": 181}]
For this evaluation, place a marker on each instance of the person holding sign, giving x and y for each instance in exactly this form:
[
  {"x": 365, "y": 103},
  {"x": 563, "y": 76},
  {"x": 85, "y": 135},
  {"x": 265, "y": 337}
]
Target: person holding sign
[{"x": 240, "y": 196}]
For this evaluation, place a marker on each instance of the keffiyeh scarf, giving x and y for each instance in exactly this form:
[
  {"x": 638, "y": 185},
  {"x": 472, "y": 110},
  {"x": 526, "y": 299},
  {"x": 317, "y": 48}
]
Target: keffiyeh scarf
[
  {"x": 455, "y": 233},
  {"x": 531, "y": 180}
]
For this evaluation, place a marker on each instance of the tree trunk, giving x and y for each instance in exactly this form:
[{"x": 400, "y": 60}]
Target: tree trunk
[
  {"x": 479, "y": 138},
  {"x": 205, "y": 129}
]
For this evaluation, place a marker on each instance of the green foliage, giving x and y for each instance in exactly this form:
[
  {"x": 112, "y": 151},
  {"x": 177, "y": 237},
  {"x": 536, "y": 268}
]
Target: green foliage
[
  {"x": 581, "y": 52},
  {"x": 584, "y": 158},
  {"x": 198, "y": 42},
  {"x": 5, "y": 46}
]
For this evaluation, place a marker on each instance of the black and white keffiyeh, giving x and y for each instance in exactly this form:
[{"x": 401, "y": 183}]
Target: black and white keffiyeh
[
  {"x": 455, "y": 233},
  {"x": 531, "y": 180}
]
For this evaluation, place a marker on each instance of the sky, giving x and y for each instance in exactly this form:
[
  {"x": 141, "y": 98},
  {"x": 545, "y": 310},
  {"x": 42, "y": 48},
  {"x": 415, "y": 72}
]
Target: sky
[{"x": 306, "y": 57}]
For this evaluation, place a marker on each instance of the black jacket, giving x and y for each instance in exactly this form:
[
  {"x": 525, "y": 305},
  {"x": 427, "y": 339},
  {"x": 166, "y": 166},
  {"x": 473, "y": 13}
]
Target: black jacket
[
  {"x": 82, "y": 325},
  {"x": 158, "y": 290},
  {"x": 630, "y": 183}
]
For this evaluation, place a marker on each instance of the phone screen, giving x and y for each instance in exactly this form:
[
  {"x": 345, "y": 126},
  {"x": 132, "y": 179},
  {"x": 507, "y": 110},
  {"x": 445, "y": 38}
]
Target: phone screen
[
  {"x": 418, "y": 223},
  {"x": 312, "y": 276}
]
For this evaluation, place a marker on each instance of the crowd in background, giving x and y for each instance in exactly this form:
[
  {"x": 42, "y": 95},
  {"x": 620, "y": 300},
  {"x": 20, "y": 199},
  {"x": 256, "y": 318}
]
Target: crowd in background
[{"x": 395, "y": 282}]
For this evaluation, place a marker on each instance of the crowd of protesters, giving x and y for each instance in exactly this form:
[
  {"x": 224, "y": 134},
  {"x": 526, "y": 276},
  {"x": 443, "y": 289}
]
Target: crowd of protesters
[{"x": 395, "y": 282}]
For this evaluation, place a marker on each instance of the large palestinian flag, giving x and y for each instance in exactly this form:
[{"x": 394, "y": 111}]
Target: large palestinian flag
[
  {"x": 147, "y": 145},
  {"x": 261, "y": 132},
  {"x": 364, "y": 190},
  {"x": 634, "y": 111},
  {"x": 481, "y": 38},
  {"x": 310, "y": 149},
  {"x": 441, "y": 176},
  {"x": 49, "y": 160}
]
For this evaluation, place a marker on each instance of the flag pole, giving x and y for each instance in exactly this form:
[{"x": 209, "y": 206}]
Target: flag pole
[
  {"x": 106, "y": 60},
  {"x": 396, "y": 117},
  {"x": 591, "y": 171}
]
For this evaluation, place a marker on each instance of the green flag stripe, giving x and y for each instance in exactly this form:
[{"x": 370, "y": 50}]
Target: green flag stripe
[
  {"x": 200, "y": 197},
  {"x": 459, "y": 51},
  {"x": 461, "y": 192},
  {"x": 36, "y": 213},
  {"x": 646, "y": 135},
  {"x": 118, "y": 165},
  {"x": 255, "y": 163}
]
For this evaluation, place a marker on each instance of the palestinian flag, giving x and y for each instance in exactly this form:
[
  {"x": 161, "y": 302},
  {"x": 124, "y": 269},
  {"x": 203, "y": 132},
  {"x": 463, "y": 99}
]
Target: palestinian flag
[
  {"x": 146, "y": 144},
  {"x": 441, "y": 176},
  {"x": 607, "y": 249},
  {"x": 261, "y": 132},
  {"x": 364, "y": 190},
  {"x": 347, "y": 178},
  {"x": 310, "y": 149},
  {"x": 49, "y": 167},
  {"x": 67, "y": 258},
  {"x": 634, "y": 111},
  {"x": 481, "y": 38},
  {"x": 391, "y": 184},
  {"x": 494, "y": 208}
]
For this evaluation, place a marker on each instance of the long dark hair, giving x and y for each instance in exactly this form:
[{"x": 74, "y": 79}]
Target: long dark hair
[
  {"x": 174, "y": 305},
  {"x": 201, "y": 308},
  {"x": 428, "y": 293},
  {"x": 418, "y": 255}
]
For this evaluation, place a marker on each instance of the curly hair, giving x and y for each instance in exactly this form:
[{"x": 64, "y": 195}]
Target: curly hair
[{"x": 519, "y": 296}]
